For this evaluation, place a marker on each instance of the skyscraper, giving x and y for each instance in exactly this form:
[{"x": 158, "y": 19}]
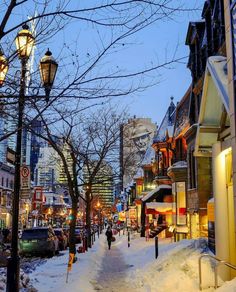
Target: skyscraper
[
  {"x": 36, "y": 143},
  {"x": 46, "y": 172},
  {"x": 102, "y": 184}
]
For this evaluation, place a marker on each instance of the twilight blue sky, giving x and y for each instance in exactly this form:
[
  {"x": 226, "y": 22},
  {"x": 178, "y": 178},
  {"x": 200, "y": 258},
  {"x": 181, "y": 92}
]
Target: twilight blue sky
[{"x": 155, "y": 43}]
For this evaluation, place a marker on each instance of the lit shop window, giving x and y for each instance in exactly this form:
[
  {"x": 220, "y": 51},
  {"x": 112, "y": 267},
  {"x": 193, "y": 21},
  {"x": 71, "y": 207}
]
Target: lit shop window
[{"x": 181, "y": 203}]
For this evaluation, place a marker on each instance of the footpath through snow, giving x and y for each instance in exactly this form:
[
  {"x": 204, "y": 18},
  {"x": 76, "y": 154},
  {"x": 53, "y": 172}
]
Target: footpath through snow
[
  {"x": 112, "y": 274},
  {"x": 123, "y": 269}
]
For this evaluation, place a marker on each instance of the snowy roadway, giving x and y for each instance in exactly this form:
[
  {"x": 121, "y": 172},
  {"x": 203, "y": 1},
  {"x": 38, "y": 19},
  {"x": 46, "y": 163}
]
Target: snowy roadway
[{"x": 123, "y": 269}]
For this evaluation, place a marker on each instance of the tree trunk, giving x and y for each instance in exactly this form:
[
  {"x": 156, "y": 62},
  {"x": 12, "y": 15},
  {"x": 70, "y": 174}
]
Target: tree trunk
[
  {"x": 88, "y": 219},
  {"x": 72, "y": 246},
  {"x": 143, "y": 218}
]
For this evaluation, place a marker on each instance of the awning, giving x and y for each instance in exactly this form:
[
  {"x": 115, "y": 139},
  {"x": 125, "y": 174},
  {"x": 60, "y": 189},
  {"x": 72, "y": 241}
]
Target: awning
[
  {"x": 159, "y": 207},
  {"x": 214, "y": 98},
  {"x": 151, "y": 195}
]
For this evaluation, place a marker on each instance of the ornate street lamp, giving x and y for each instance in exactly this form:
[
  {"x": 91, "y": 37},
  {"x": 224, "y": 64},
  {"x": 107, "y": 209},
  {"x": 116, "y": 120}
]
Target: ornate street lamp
[
  {"x": 24, "y": 42},
  {"x": 48, "y": 69},
  {"x": 99, "y": 218},
  {"x": 3, "y": 67}
]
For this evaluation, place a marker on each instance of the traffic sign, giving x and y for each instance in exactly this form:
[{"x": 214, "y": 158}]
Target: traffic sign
[
  {"x": 25, "y": 171},
  {"x": 25, "y": 177}
]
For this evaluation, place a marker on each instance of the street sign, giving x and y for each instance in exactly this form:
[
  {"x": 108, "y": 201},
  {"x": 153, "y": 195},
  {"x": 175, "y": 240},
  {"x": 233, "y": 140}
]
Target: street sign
[
  {"x": 25, "y": 177},
  {"x": 11, "y": 155}
]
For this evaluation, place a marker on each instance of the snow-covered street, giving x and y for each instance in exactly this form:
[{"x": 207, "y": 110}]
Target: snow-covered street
[{"x": 129, "y": 269}]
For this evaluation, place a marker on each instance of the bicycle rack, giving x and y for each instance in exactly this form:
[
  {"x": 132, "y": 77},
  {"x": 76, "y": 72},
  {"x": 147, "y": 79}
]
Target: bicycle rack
[{"x": 220, "y": 262}]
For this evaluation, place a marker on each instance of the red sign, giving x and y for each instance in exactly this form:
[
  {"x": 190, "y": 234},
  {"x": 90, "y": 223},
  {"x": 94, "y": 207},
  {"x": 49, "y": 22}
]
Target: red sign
[
  {"x": 139, "y": 182},
  {"x": 25, "y": 171},
  {"x": 182, "y": 211},
  {"x": 37, "y": 198}
]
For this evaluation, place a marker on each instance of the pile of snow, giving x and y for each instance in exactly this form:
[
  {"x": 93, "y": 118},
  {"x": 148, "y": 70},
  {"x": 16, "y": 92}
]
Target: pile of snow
[
  {"x": 175, "y": 269},
  {"x": 23, "y": 281}
]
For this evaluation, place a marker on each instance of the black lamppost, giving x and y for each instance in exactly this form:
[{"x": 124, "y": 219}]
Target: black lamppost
[
  {"x": 48, "y": 69},
  {"x": 99, "y": 217},
  {"x": 24, "y": 44}
]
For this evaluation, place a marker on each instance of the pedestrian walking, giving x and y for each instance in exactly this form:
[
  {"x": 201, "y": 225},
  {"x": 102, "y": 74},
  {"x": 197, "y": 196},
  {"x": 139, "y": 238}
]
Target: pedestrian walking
[{"x": 109, "y": 236}]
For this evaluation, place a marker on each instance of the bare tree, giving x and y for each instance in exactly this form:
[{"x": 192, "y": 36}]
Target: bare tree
[
  {"x": 92, "y": 141},
  {"x": 81, "y": 77}
]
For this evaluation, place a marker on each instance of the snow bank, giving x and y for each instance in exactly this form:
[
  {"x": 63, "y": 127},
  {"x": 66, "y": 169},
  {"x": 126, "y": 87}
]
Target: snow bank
[
  {"x": 51, "y": 276},
  {"x": 176, "y": 268},
  {"x": 229, "y": 286}
]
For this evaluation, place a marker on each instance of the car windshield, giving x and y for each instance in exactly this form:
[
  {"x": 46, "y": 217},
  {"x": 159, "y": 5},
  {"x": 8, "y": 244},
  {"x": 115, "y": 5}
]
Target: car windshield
[{"x": 34, "y": 233}]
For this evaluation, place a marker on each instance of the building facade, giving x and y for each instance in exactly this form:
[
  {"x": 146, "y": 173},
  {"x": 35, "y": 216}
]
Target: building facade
[
  {"x": 205, "y": 38},
  {"x": 47, "y": 169},
  {"x": 102, "y": 186},
  {"x": 6, "y": 192},
  {"x": 135, "y": 137}
]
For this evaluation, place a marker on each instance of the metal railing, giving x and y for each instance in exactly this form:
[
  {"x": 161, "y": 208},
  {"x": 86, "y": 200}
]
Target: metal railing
[{"x": 220, "y": 262}]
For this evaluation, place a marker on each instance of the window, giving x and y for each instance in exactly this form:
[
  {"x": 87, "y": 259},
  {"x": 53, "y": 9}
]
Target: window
[
  {"x": 181, "y": 203},
  {"x": 38, "y": 195},
  {"x": 179, "y": 149},
  {"x": 2, "y": 181}
]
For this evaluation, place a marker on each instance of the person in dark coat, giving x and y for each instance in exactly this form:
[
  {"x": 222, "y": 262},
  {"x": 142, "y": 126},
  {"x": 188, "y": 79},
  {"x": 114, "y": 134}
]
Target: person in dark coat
[{"x": 109, "y": 236}]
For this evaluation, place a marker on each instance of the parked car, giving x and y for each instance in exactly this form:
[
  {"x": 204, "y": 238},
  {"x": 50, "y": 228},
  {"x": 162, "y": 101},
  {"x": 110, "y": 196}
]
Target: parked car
[
  {"x": 38, "y": 240},
  {"x": 78, "y": 235},
  {"x": 62, "y": 238}
]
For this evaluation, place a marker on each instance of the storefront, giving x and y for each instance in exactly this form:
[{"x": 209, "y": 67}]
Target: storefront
[
  {"x": 161, "y": 194},
  {"x": 213, "y": 140},
  {"x": 159, "y": 218}
]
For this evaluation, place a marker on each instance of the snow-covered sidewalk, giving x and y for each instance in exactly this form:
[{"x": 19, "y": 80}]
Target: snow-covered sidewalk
[
  {"x": 51, "y": 276},
  {"x": 131, "y": 269},
  {"x": 113, "y": 271}
]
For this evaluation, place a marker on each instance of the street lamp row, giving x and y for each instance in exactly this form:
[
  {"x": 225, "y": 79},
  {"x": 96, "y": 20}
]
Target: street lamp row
[
  {"x": 48, "y": 68},
  {"x": 24, "y": 43}
]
